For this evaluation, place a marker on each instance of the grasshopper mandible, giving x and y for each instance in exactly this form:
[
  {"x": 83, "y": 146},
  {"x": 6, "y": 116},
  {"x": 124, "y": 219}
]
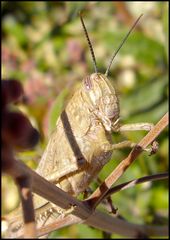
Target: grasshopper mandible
[{"x": 81, "y": 143}]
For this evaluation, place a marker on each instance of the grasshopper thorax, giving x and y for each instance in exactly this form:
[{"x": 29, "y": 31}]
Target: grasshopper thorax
[{"x": 102, "y": 99}]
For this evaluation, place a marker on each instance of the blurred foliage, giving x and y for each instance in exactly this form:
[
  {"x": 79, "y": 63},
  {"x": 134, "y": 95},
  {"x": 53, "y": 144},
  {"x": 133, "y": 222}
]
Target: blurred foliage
[{"x": 43, "y": 46}]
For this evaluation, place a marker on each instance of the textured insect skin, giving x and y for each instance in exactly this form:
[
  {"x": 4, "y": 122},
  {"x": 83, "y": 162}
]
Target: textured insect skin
[
  {"x": 80, "y": 144},
  {"x": 77, "y": 149}
]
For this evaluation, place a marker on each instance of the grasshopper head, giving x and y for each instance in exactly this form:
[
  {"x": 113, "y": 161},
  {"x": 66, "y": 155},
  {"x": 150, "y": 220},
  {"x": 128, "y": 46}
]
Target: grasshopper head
[
  {"x": 102, "y": 99},
  {"x": 99, "y": 93}
]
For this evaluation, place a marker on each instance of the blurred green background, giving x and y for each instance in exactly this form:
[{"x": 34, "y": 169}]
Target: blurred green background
[{"x": 44, "y": 47}]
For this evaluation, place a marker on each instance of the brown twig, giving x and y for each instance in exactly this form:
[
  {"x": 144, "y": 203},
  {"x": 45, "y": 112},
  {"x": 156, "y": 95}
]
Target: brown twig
[
  {"x": 27, "y": 206},
  {"x": 109, "y": 205},
  {"x": 96, "y": 219},
  {"x": 23, "y": 182},
  {"x": 82, "y": 211},
  {"x": 134, "y": 182},
  {"x": 52, "y": 193},
  {"x": 102, "y": 190},
  {"x": 107, "y": 223}
]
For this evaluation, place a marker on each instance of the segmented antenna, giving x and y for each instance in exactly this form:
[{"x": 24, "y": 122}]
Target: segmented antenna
[
  {"x": 89, "y": 43},
  {"x": 127, "y": 35}
]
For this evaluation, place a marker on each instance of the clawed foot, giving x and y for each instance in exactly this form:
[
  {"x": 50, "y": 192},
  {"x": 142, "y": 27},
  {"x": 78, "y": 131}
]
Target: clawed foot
[{"x": 153, "y": 149}]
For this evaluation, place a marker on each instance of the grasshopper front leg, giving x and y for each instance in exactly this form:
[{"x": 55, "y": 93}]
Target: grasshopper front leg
[
  {"x": 121, "y": 145},
  {"x": 134, "y": 127},
  {"x": 139, "y": 127}
]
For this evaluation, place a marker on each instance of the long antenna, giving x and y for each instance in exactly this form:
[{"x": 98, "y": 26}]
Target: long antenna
[
  {"x": 89, "y": 43},
  {"x": 127, "y": 35}
]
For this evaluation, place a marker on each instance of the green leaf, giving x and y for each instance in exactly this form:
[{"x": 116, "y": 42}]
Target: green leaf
[
  {"x": 56, "y": 109},
  {"x": 88, "y": 232},
  {"x": 147, "y": 102},
  {"x": 144, "y": 49},
  {"x": 16, "y": 29}
]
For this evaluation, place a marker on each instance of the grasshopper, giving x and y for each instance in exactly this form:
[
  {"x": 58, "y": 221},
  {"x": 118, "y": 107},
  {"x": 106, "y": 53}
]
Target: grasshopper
[{"x": 81, "y": 143}]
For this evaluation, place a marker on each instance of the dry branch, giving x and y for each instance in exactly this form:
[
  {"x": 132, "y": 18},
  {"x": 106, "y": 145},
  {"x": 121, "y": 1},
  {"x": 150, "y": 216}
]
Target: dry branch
[
  {"x": 24, "y": 186},
  {"x": 101, "y": 191},
  {"x": 23, "y": 182},
  {"x": 134, "y": 182},
  {"x": 97, "y": 219},
  {"x": 82, "y": 211},
  {"x": 109, "y": 224}
]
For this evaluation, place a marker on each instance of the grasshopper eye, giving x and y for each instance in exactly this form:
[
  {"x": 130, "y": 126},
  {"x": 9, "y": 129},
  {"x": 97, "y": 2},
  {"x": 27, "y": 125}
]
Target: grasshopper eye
[
  {"x": 87, "y": 83},
  {"x": 97, "y": 78}
]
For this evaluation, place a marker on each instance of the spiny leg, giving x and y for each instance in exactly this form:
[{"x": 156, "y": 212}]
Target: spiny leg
[
  {"x": 141, "y": 127},
  {"x": 136, "y": 127},
  {"x": 121, "y": 145}
]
